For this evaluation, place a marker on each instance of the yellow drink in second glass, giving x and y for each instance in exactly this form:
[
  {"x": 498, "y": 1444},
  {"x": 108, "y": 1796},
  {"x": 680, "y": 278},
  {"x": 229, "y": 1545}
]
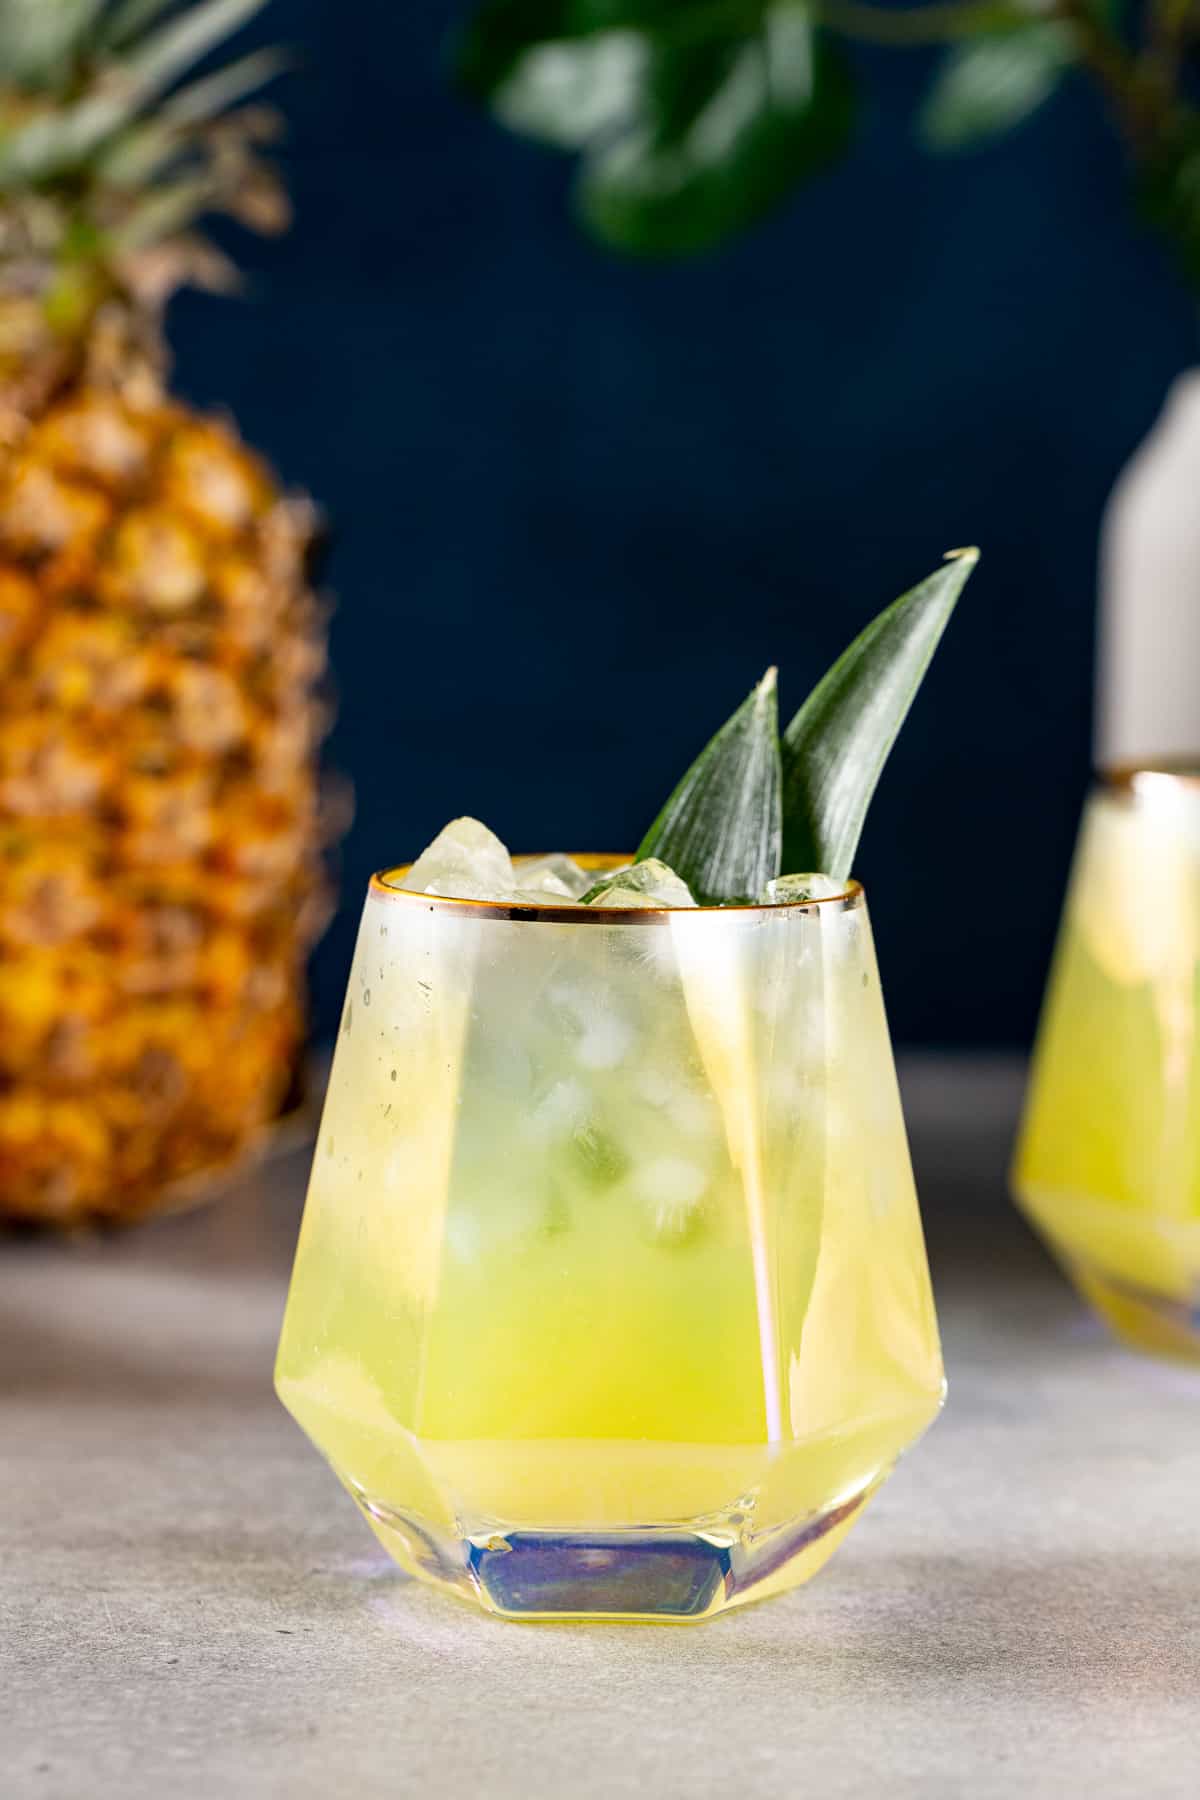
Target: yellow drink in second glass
[
  {"x": 611, "y": 1296},
  {"x": 1109, "y": 1160}
]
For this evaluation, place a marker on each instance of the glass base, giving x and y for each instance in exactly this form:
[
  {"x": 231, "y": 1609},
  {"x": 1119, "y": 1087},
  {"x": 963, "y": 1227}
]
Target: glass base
[
  {"x": 1139, "y": 1269},
  {"x": 1146, "y": 1320},
  {"x": 666, "y": 1574}
]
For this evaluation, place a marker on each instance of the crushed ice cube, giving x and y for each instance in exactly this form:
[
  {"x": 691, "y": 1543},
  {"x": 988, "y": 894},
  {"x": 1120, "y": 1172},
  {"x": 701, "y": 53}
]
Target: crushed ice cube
[
  {"x": 794, "y": 890},
  {"x": 688, "y": 1109},
  {"x": 537, "y": 897},
  {"x": 465, "y": 861},
  {"x": 555, "y": 874},
  {"x": 656, "y": 1087},
  {"x": 648, "y": 883},
  {"x": 672, "y": 1190},
  {"x": 598, "y": 1155},
  {"x": 560, "y": 1112},
  {"x": 605, "y": 1043}
]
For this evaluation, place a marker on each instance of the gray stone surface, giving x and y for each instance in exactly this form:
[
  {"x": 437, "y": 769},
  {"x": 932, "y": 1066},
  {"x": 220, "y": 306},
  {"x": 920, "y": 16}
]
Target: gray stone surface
[{"x": 190, "y": 1607}]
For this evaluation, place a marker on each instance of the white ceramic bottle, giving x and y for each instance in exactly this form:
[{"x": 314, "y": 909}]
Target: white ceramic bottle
[{"x": 1148, "y": 679}]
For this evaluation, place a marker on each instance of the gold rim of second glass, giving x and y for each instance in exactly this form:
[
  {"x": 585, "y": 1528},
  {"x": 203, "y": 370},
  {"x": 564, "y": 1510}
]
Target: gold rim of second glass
[
  {"x": 1159, "y": 776},
  {"x": 1184, "y": 769},
  {"x": 386, "y": 882}
]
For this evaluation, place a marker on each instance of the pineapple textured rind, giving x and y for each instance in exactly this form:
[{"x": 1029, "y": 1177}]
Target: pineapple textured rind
[
  {"x": 160, "y": 648},
  {"x": 160, "y": 879}
]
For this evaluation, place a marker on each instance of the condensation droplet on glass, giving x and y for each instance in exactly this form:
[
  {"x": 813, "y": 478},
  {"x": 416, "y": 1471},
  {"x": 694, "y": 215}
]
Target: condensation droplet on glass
[
  {"x": 393, "y": 1074},
  {"x": 366, "y": 996}
]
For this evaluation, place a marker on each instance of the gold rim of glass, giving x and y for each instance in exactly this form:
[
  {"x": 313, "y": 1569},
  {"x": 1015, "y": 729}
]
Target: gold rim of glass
[
  {"x": 1161, "y": 774},
  {"x": 387, "y": 883}
]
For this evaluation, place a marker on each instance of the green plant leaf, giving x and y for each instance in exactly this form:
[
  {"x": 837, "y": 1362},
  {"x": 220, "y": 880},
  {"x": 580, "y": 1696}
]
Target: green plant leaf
[
  {"x": 835, "y": 747},
  {"x": 692, "y": 120},
  {"x": 989, "y": 86},
  {"x": 488, "y": 47},
  {"x": 1167, "y": 192},
  {"x": 574, "y": 95},
  {"x": 724, "y": 133},
  {"x": 720, "y": 830}
]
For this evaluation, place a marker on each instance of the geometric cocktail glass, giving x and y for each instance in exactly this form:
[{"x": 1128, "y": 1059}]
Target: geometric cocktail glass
[
  {"x": 611, "y": 1298},
  {"x": 1108, "y": 1164}
]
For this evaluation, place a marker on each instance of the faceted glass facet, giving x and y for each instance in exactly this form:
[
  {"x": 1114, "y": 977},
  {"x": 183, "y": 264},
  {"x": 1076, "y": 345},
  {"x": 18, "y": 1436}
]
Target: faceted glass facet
[
  {"x": 611, "y": 1297},
  {"x": 1108, "y": 1165}
]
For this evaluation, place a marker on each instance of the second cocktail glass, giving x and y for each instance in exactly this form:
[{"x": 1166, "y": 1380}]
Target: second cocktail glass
[{"x": 1108, "y": 1166}]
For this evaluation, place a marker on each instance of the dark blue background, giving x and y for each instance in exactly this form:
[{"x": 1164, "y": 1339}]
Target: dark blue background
[{"x": 578, "y": 504}]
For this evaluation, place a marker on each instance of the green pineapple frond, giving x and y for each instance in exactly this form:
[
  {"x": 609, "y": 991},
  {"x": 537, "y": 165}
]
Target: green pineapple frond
[{"x": 112, "y": 146}]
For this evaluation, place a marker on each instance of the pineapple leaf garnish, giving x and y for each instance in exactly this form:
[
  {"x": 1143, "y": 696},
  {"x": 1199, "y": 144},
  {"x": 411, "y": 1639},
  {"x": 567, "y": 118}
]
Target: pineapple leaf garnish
[
  {"x": 721, "y": 830},
  {"x": 749, "y": 805},
  {"x": 835, "y": 747}
]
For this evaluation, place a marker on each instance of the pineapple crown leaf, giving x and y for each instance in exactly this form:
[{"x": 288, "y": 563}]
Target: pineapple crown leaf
[
  {"x": 835, "y": 747},
  {"x": 164, "y": 55},
  {"x": 720, "y": 829},
  {"x": 114, "y": 92},
  {"x": 214, "y": 94},
  {"x": 127, "y": 18},
  {"x": 39, "y": 39},
  {"x": 752, "y": 806},
  {"x": 106, "y": 150}
]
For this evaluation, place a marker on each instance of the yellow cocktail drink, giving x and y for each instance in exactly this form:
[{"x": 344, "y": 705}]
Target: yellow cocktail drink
[
  {"x": 611, "y": 1297},
  {"x": 1109, "y": 1160}
]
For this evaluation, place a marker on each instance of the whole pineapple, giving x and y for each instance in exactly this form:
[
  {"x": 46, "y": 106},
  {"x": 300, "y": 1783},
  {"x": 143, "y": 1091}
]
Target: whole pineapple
[{"x": 160, "y": 877}]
